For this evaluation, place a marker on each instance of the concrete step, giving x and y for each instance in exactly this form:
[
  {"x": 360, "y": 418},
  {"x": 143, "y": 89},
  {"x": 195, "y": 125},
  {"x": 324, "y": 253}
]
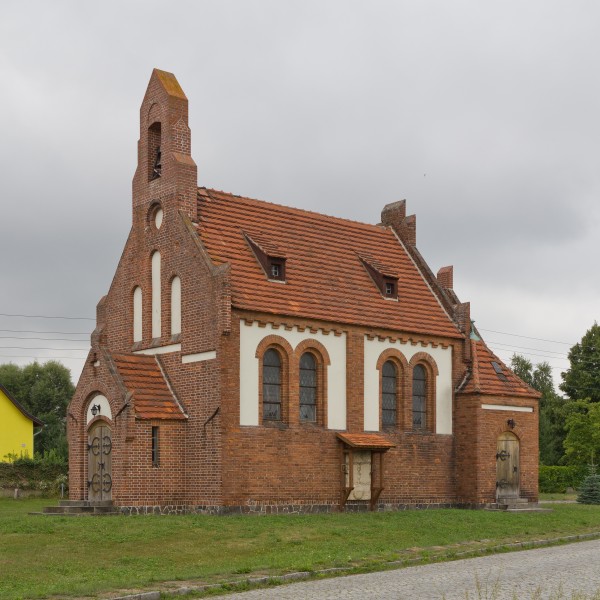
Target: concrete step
[
  {"x": 515, "y": 505},
  {"x": 85, "y": 503},
  {"x": 81, "y": 507}
]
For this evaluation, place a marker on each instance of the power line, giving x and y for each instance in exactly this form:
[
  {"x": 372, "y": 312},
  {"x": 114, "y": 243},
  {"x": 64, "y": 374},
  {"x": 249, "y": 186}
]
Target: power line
[
  {"x": 36, "y": 331},
  {"x": 41, "y": 348},
  {"x": 48, "y": 317},
  {"x": 13, "y": 337},
  {"x": 525, "y": 336},
  {"x": 524, "y": 348},
  {"x": 42, "y": 357}
]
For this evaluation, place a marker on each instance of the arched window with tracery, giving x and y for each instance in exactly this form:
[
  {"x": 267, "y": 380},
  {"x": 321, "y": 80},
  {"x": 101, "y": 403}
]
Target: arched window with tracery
[
  {"x": 419, "y": 397},
  {"x": 389, "y": 394},
  {"x": 271, "y": 377},
  {"x": 308, "y": 387}
]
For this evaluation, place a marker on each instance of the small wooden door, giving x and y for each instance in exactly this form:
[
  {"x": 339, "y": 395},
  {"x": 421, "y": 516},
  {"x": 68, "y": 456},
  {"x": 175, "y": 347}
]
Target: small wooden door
[
  {"x": 99, "y": 462},
  {"x": 507, "y": 466}
]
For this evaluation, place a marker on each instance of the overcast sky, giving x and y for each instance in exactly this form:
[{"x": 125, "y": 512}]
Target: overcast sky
[{"x": 484, "y": 116}]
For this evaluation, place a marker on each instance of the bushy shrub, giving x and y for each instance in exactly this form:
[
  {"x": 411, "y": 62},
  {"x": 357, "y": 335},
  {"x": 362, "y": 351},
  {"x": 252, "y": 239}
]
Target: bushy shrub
[
  {"x": 43, "y": 473},
  {"x": 558, "y": 479}
]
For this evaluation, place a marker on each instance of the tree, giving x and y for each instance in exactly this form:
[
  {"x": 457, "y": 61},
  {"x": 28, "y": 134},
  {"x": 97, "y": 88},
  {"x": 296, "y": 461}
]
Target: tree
[
  {"x": 582, "y": 379},
  {"x": 582, "y": 443},
  {"x": 553, "y": 408},
  {"x": 44, "y": 391}
]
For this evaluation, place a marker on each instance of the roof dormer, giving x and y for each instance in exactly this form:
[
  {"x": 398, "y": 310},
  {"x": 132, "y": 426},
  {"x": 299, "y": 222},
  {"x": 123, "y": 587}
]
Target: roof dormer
[
  {"x": 269, "y": 256},
  {"x": 383, "y": 277}
]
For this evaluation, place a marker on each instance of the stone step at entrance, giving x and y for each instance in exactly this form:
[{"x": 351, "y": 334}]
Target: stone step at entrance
[
  {"x": 75, "y": 508},
  {"x": 516, "y": 505}
]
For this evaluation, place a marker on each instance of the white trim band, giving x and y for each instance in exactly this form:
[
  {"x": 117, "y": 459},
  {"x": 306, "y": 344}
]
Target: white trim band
[
  {"x": 200, "y": 356},
  {"x": 528, "y": 409},
  {"x": 160, "y": 350}
]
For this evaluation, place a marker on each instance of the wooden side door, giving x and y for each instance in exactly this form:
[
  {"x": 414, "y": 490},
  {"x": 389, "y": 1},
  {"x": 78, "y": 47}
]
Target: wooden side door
[
  {"x": 99, "y": 462},
  {"x": 507, "y": 466}
]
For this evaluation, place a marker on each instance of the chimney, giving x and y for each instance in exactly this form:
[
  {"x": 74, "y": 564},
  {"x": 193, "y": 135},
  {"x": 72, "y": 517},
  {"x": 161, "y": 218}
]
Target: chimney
[
  {"x": 394, "y": 215},
  {"x": 445, "y": 277}
]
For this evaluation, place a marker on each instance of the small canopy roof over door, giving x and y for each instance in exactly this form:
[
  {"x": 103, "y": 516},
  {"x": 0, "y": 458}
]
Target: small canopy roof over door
[{"x": 369, "y": 447}]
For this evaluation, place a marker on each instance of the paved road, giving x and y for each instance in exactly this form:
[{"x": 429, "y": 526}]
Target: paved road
[{"x": 516, "y": 575}]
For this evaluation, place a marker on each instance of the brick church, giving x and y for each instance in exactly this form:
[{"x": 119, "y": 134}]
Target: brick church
[{"x": 252, "y": 357}]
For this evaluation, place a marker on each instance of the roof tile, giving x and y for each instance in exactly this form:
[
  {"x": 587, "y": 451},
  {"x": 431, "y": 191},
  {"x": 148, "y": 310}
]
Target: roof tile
[
  {"x": 324, "y": 276},
  {"x": 152, "y": 398}
]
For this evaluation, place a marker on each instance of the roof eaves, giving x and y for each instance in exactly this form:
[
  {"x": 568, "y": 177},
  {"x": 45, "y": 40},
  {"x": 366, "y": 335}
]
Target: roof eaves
[{"x": 21, "y": 408}]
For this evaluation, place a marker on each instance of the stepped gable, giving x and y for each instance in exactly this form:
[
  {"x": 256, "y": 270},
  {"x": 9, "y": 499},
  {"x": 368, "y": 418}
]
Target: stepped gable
[
  {"x": 144, "y": 379},
  {"x": 325, "y": 278},
  {"x": 484, "y": 378}
]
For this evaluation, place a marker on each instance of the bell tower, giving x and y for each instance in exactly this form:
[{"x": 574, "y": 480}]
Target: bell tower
[{"x": 166, "y": 172}]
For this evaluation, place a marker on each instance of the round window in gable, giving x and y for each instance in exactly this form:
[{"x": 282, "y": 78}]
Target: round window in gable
[{"x": 156, "y": 216}]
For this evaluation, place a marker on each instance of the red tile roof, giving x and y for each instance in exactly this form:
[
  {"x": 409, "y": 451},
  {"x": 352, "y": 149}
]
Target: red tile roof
[
  {"x": 325, "y": 278},
  {"x": 484, "y": 379},
  {"x": 143, "y": 377},
  {"x": 366, "y": 440}
]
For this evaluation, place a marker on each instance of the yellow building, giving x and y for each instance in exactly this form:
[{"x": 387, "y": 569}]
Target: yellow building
[{"x": 16, "y": 427}]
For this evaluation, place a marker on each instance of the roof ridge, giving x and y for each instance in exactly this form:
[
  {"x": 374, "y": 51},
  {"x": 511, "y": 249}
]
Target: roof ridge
[{"x": 298, "y": 210}]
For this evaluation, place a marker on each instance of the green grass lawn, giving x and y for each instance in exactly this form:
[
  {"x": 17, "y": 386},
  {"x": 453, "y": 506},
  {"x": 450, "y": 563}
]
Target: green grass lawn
[{"x": 43, "y": 556}]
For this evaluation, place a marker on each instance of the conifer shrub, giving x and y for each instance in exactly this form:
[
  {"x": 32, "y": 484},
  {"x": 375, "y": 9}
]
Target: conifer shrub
[{"x": 589, "y": 492}]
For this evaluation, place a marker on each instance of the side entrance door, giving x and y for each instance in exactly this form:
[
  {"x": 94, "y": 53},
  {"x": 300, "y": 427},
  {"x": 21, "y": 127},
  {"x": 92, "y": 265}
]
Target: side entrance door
[
  {"x": 507, "y": 466},
  {"x": 99, "y": 462}
]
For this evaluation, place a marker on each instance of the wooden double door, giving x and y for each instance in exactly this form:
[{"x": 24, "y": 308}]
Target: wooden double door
[{"x": 99, "y": 462}]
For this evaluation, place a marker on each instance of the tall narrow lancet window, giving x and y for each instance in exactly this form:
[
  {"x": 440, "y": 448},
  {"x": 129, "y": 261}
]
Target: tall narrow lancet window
[
  {"x": 137, "y": 315},
  {"x": 271, "y": 386},
  {"x": 308, "y": 387},
  {"x": 175, "y": 306},
  {"x": 154, "y": 154},
  {"x": 389, "y": 399},
  {"x": 419, "y": 399},
  {"x": 156, "y": 298}
]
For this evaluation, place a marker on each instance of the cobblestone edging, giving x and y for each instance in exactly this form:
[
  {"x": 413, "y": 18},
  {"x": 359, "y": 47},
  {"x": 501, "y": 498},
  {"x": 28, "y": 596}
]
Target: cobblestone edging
[
  {"x": 302, "y": 575},
  {"x": 280, "y": 509}
]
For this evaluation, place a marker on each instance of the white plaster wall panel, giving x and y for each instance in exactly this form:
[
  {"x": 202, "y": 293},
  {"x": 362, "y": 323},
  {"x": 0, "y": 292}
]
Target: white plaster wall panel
[
  {"x": 251, "y": 336},
  {"x": 156, "y": 308},
  {"x": 443, "y": 399},
  {"x": 175, "y": 306},
  {"x": 104, "y": 405},
  {"x": 137, "y": 315}
]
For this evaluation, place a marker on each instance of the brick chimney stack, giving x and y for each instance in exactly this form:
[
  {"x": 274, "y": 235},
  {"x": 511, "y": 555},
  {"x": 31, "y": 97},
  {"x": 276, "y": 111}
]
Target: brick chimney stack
[
  {"x": 166, "y": 172},
  {"x": 394, "y": 215}
]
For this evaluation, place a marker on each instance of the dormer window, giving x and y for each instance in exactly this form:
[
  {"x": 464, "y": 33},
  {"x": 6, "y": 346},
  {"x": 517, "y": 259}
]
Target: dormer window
[
  {"x": 276, "y": 269},
  {"x": 269, "y": 256},
  {"x": 383, "y": 277},
  {"x": 390, "y": 289}
]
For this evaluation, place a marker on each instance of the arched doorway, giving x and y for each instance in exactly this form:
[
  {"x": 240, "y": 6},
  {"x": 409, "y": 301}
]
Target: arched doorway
[
  {"x": 99, "y": 462},
  {"x": 507, "y": 466}
]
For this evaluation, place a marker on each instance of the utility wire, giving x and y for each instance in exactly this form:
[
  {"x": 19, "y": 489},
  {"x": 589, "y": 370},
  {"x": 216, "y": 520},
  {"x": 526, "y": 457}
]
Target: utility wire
[
  {"x": 36, "y": 331},
  {"x": 48, "y": 317},
  {"x": 41, "y": 348},
  {"x": 12, "y": 337},
  {"x": 524, "y": 336}
]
